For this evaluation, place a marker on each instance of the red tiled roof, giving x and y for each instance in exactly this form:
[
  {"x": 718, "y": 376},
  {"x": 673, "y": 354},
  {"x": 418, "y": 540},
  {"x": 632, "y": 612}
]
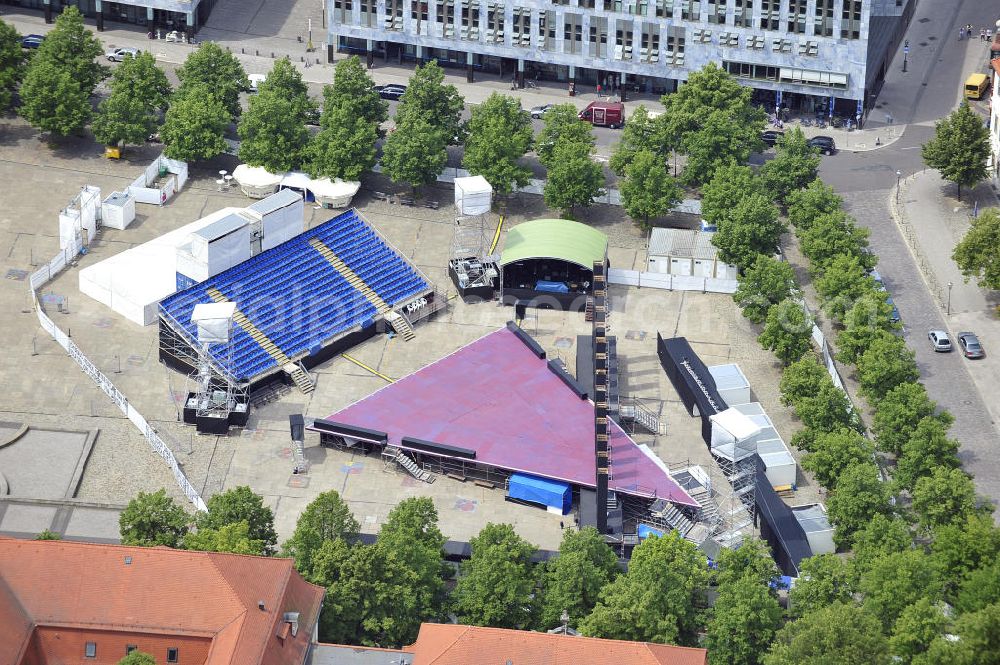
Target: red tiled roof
[
  {"x": 447, "y": 644},
  {"x": 155, "y": 590}
]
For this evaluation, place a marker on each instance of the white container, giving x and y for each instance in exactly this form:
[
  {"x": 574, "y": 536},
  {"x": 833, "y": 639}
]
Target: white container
[
  {"x": 473, "y": 195},
  {"x": 118, "y": 210}
]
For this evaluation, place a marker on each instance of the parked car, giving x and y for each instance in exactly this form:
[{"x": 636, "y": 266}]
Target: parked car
[
  {"x": 32, "y": 41},
  {"x": 771, "y": 137},
  {"x": 118, "y": 54},
  {"x": 392, "y": 92},
  {"x": 313, "y": 116},
  {"x": 970, "y": 345},
  {"x": 880, "y": 285},
  {"x": 256, "y": 80},
  {"x": 940, "y": 341},
  {"x": 538, "y": 111},
  {"x": 604, "y": 114},
  {"x": 825, "y": 144}
]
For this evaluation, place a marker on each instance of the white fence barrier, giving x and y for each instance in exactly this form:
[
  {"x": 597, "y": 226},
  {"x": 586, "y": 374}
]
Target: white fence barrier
[
  {"x": 36, "y": 281},
  {"x": 657, "y": 280},
  {"x": 142, "y": 192}
]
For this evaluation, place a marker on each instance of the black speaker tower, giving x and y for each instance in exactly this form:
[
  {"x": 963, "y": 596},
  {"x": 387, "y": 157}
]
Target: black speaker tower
[{"x": 602, "y": 449}]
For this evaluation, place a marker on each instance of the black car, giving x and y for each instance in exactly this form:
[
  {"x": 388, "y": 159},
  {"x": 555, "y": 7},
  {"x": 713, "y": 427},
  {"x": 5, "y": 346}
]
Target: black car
[
  {"x": 825, "y": 144},
  {"x": 32, "y": 41},
  {"x": 391, "y": 92},
  {"x": 771, "y": 136}
]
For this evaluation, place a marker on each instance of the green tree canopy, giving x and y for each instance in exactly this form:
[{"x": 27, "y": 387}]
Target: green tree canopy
[
  {"x": 285, "y": 81},
  {"x": 944, "y": 496},
  {"x": 882, "y": 536},
  {"x": 824, "y": 579},
  {"x": 802, "y": 379},
  {"x": 273, "y": 134},
  {"x": 918, "y": 625},
  {"x": 887, "y": 363},
  {"x": 978, "y": 254},
  {"x": 498, "y": 581},
  {"x": 639, "y": 135},
  {"x": 137, "y": 658},
  {"x": 897, "y": 580},
  {"x": 744, "y": 620},
  {"x": 730, "y": 185},
  {"x": 352, "y": 95},
  {"x": 727, "y": 137},
  {"x": 963, "y": 545},
  {"x": 416, "y": 152},
  {"x": 960, "y": 148},
  {"x": 52, "y": 100},
  {"x": 657, "y": 599},
  {"x": 71, "y": 47},
  {"x": 828, "y": 410},
  {"x": 139, "y": 92},
  {"x": 574, "y": 579},
  {"x": 977, "y": 643},
  {"x": 753, "y": 228},
  {"x": 834, "y": 452},
  {"x": 561, "y": 123},
  {"x": 859, "y": 496},
  {"x": 648, "y": 190},
  {"x": 574, "y": 179},
  {"x": 838, "y": 634},
  {"x": 233, "y": 537},
  {"x": 153, "y": 519},
  {"x": 831, "y": 235},
  {"x": 927, "y": 449},
  {"x": 751, "y": 559},
  {"x": 11, "y": 63},
  {"x": 218, "y": 70},
  {"x": 195, "y": 126},
  {"x": 344, "y": 148},
  {"x": 898, "y": 414},
  {"x": 794, "y": 165},
  {"x": 499, "y": 135},
  {"x": 240, "y": 504},
  {"x": 327, "y": 517},
  {"x": 980, "y": 587},
  {"x": 788, "y": 331},
  {"x": 764, "y": 284},
  {"x": 868, "y": 317},
  {"x": 429, "y": 99},
  {"x": 814, "y": 200},
  {"x": 843, "y": 281}
]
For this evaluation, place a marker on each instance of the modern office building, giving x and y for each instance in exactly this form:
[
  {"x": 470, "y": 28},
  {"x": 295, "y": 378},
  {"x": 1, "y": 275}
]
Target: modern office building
[
  {"x": 796, "y": 53},
  {"x": 182, "y": 15}
]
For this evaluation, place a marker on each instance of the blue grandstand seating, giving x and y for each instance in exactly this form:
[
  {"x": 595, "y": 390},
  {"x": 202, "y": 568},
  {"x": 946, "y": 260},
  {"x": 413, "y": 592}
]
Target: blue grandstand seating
[{"x": 295, "y": 297}]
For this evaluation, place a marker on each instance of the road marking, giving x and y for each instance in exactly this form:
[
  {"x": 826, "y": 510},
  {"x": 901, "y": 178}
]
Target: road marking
[{"x": 913, "y": 147}]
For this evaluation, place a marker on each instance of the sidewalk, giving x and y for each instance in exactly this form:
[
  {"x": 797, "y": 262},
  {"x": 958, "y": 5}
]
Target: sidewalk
[{"x": 933, "y": 221}]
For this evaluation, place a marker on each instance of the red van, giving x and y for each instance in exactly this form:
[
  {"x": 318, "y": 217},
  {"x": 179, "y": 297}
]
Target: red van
[{"x": 604, "y": 114}]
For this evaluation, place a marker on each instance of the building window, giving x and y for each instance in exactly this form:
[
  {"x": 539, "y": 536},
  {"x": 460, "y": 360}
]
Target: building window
[
  {"x": 394, "y": 15},
  {"x": 470, "y": 21},
  {"x": 823, "y": 20},
  {"x": 797, "y": 16},
  {"x": 717, "y": 11},
  {"x": 90, "y": 650},
  {"x": 130, "y": 648},
  {"x": 743, "y": 13},
  {"x": 419, "y": 13},
  {"x": 172, "y": 655},
  {"x": 572, "y": 33},
  {"x": 342, "y": 10},
  {"x": 850, "y": 20},
  {"x": 368, "y": 13},
  {"x": 547, "y": 29},
  {"x": 494, "y": 22},
  {"x": 598, "y": 37},
  {"x": 587, "y": 4},
  {"x": 664, "y": 8},
  {"x": 691, "y": 10},
  {"x": 521, "y": 28},
  {"x": 770, "y": 14},
  {"x": 650, "y": 51},
  {"x": 623, "y": 40},
  {"x": 675, "y": 45}
]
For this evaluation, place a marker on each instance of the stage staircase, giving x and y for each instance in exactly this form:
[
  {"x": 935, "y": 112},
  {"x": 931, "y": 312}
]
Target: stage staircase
[
  {"x": 299, "y": 376},
  {"x": 635, "y": 412},
  {"x": 709, "y": 510},
  {"x": 396, "y": 455},
  {"x": 667, "y": 514},
  {"x": 401, "y": 325}
]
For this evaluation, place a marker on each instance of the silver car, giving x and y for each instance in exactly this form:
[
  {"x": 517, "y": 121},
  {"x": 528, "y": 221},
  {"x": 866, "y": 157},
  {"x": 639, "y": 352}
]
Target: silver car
[
  {"x": 538, "y": 111},
  {"x": 940, "y": 341},
  {"x": 118, "y": 54},
  {"x": 970, "y": 345}
]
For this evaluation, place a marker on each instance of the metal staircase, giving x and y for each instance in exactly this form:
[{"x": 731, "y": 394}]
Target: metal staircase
[
  {"x": 401, "y": 325},
  {"x": 395, "y": 454},
  {"x": 631, "y": 410},
  {"x": 302, "y": 379},
  {"x": 709, "y": 512},
  {"x": 381, "y": 306},
  {"x": 670, "y": 515}
]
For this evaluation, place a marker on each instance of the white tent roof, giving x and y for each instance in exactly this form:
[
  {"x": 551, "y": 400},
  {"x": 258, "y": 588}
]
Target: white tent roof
[
  {"x": 738, "y": 425},
  {"x": 298, "y": 180},
  {"x": 255, "y": 176},
  {"x": 334, "y": 189},
  {"x": 473, "y": 183}
]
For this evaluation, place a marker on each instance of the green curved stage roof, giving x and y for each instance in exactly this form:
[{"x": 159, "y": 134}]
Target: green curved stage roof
[{"x": 555, "y": 239}]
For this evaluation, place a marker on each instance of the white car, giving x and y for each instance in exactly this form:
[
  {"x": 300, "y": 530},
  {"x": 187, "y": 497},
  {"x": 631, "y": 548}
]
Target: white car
[
  {"x": 118, "y": 54},
  {"x": 256, "y": 80},
  {"x": 940, "y": 340}
]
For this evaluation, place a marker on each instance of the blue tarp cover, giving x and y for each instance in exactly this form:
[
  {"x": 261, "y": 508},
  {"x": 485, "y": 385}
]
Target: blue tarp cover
[
  {"x": 541, "y": 490},
  {"x": 645, "y": 531},
  {"x": 551, "y": 287}
]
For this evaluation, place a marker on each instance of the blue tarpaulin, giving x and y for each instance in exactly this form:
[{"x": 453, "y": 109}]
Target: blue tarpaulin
[
  {"x": 541, "y": 490},
  {"x": 551, "y": 287},
  {"x": 645, "y": 531}
]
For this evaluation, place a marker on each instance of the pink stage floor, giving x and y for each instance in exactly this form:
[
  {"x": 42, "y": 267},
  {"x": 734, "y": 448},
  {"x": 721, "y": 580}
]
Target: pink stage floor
[{"x": 496, "y": 397}]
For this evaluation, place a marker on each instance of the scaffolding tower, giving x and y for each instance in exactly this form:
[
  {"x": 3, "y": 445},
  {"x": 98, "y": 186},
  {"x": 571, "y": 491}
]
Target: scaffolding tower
[
  {"x": 471, "y": 265},
  {"x": 217, "y": 394}
]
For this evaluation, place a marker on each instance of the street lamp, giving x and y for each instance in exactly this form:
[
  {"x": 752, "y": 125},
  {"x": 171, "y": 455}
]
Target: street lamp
[
  {"x": 949, "y": 297},
  {"x": 898, "y": 175}
]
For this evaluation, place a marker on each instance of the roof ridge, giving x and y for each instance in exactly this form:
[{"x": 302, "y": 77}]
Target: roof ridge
[
  {"x": 120, "y": 546},
  {"x": 465, "y": 629},
  {"x": 30, "y": 619}
]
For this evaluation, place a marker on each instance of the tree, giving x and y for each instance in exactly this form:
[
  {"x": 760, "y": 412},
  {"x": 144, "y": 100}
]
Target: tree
[
  {"x": 574, "y": 179},
  {"x": 868, "y": 317},
  {"x": 831, "y": 235},
  {"x": 927, "y": 450},
  {"x": 978, "y": 254},
  {"x": 195, "y": 125},
  {"x": 648, "y": 190},
  {"x": 917, "y": 626},
  {"x": 725, "y": 138},
  {"x": 764, "y": 284},
  {"x": 899, "y": 412},
  {"x": 656, "y": 600},
  {"x": 327, "y": 517},
  {"x": 352, "y": 95},
  {"x": 345, "y": 148},
  {"x": 285, "y": 81},
  {"x": 802, "y": 379},
  {"x": 416, "y": 152},
  {"x": 497, "y": 583},
  {"x": 730, "y": 185},
  {"x": 828, "y": 410},
  {"x": 814, "y": 200},
  {"x": 897, "y": 580},
  {"x": 752, "y": 229},
  {"x": 745, "y": 618},
  {"x": 839, "y": 634},
  {"x": 977, "y": 643},
  {"x": 139, "y": 93},
  {"x": 45, "y": 534},
  {"x": 884, "y": 535},
  {"x": 11, "y": 64},
  {"x": 859, "y": 496},
  {"x": 499, "y": 135},
  {"x": 824, "y": 579},
  {"x": 751, "y": 559},
  {"x": 240, "y": 504},
  {"x": 52, "y": 100},
  {"x": 153, "y": 519},
  {"x": 233, "y": 537},
  {"x": 220, "y": 72},
  {"x": 137, "y": 658},
  {"x": 788, "y": 331},
  {"x": 272, "y": 133},
  {"x": 944, "y": 496},
  {"x": 638, "y": 135},
  {"x": 429, "y": 99},
  {"x": 963, "y": 545},
  {"x": 960, "y": 148},
  {"x": 980, "y": 588},
  {"x": 574, "y": 579},
  {"x": 793, "y": 167},
  {"x": 834, "y": 452},
  {"x": 562, "y": 123},
  {"x": 842, "y": 282},
  {"x": 886, "y": 364}
]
